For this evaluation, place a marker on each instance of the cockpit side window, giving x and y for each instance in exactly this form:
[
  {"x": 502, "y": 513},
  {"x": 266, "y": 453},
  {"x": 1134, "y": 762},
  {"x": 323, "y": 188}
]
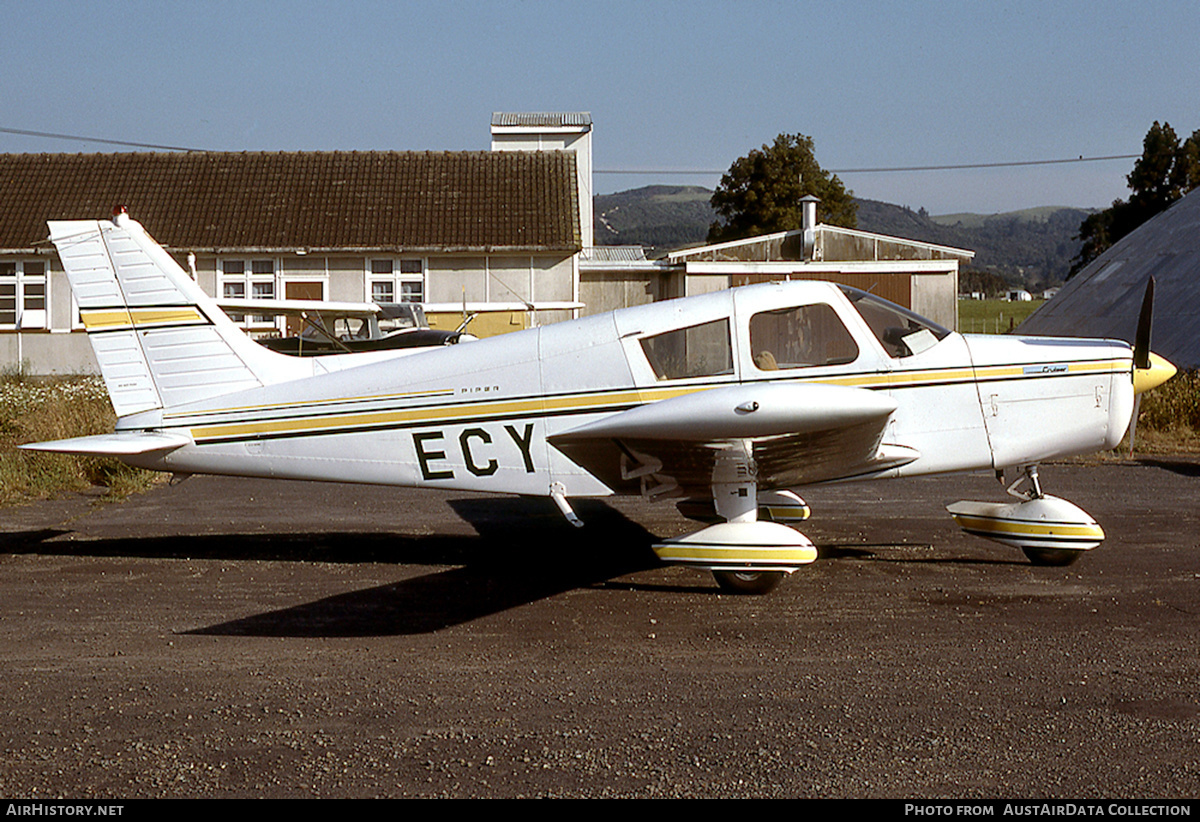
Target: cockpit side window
[
  {"x": 801, "y": 337},
  {"x": 901, "y": 332},
  {"x": 698, "y": 351},
  {"x": 350, "y": 328}
]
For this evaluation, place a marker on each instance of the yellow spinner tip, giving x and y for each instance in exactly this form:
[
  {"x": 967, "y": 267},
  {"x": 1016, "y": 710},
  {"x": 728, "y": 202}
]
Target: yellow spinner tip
[{"x": 1160, "y": 371}]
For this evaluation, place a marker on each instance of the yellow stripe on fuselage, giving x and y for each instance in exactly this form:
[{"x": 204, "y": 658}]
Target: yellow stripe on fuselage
[
  {"x": 450, "y": 413},
  {"x": 392, "y": 416},
  {"x": 348, "y": 421},
  {"x": 292, "y": 406}
]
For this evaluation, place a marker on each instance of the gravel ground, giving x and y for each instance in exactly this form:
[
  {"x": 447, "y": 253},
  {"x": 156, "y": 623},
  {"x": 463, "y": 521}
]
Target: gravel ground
[{"x": 239, "y": 638}]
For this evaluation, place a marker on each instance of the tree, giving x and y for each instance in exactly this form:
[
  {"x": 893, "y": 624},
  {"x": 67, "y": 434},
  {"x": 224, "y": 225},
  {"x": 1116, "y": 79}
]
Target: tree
[
  {"x": 760, "y": 194},
  {"x": 1165, "y": 172}
]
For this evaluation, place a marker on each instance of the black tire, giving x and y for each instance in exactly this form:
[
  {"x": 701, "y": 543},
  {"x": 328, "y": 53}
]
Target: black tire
[
  {"x": 1054, "y": 557},
  {"x": 748, "y": 582}
]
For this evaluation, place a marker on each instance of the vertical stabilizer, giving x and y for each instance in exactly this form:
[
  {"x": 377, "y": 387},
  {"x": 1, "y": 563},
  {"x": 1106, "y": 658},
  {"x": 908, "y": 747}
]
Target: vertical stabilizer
[{"x": 159, "y": 339}]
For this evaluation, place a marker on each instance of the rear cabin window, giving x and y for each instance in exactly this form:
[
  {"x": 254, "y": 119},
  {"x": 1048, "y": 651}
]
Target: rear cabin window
[
  {"x": 699, "y": 351},
  {"x": 801, "y": 337}
]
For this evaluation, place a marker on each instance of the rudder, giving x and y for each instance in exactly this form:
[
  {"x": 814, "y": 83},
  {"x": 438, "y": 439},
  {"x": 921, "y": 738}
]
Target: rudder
[{"x": 159, "y": 339}]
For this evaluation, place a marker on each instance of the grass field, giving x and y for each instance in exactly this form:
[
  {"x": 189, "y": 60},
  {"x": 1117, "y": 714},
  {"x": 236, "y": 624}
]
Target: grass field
[
  {"x": 36, "y": 410},
  {"x": 993, "y": 316}
]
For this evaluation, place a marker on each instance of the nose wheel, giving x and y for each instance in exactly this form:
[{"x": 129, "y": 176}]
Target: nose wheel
[
  {"x": 1051, "y": 557},
  {"x": 748, "y": 582},
  {"x": 1049, "y": 530}
]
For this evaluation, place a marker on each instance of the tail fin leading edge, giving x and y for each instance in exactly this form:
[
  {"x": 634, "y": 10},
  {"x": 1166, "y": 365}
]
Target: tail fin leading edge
[{"x": 159, "y": 339}]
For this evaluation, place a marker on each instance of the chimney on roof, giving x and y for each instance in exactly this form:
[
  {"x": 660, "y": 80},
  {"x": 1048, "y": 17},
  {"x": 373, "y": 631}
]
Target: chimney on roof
[
  {"x": 808, "y": 224},
  {"x": 553, "y": 131}
]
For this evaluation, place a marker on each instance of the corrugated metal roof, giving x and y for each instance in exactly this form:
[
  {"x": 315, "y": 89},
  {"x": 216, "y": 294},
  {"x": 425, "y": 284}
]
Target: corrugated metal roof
[
  {"x": 542, "y": 119},
  {"x": 1105, "y": 298},
  {"x": 836, "y": 243},
  {"x": 614, "y": 254},
  {"x": 479, "y": 200}
]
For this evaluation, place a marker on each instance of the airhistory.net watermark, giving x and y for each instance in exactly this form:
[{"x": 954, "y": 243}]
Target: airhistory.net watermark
[{"x": 65, "y": 809}]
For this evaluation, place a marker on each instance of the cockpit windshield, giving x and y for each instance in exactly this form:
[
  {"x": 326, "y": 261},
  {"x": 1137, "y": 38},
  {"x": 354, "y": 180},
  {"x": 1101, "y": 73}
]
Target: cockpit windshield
[
  {"x": 401, "y": 317},
  {"x": 901, "y": 332}
]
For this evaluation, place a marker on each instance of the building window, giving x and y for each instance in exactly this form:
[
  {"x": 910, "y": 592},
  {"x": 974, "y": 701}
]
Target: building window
[
  {"x": 397, "y": 281},
  {"x": 23, "y": 294},
  {"x": 383, "y": 291},
  {"x": 253, "y": 279}
]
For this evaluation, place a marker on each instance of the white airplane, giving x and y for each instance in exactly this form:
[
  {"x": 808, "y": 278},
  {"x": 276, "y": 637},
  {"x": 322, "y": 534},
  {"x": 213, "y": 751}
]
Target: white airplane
[{"x": 723, "y": 402}]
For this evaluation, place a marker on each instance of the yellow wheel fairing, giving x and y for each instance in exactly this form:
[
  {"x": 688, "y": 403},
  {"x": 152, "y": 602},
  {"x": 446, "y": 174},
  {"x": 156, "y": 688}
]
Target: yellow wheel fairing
[
  {"x": 744, "y": 546},
  {"x": 1047, "y": 523}
]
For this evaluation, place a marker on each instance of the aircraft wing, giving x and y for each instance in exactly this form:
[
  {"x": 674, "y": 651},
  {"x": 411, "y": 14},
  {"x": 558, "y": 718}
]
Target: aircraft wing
[
  {"x": 495, "y": 307},
  {"x": 296, "y": 308},
  {"x": 797, "y": 434}
]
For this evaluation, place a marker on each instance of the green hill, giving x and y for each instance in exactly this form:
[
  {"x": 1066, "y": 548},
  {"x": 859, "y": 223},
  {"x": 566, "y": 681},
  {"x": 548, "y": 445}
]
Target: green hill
[
  {"x": 1032, "y": 247},
  {"x": 1040, "y": 214},
  {"x": 658, "y": 217}
]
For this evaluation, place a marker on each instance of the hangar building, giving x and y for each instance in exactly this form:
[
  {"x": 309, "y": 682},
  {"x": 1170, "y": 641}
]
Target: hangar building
[{"x": 1105, "y": 298}]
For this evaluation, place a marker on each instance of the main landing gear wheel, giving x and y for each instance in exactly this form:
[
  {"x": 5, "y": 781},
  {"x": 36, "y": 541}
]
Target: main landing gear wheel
[
  {"x": 748, "y": 582},
  {"x": 1052, "y": 556}
]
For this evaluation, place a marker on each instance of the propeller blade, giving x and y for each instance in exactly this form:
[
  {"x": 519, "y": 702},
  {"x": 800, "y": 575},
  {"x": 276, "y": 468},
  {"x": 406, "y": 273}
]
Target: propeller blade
[
  {"x": 1141, "y": 342},
  {"x": 1137, "y": 407}
]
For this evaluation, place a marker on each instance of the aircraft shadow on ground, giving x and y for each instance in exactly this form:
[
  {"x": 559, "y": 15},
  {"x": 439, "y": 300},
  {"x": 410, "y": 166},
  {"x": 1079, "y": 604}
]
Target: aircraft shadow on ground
[
  {"x": 525, "y": 551},
  {"x": 1183, "y": 467},
  {"x": 900, "y": 553}
]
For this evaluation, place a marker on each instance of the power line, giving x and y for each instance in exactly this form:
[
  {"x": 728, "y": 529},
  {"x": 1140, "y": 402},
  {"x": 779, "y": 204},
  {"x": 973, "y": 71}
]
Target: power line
[
  {"x": 1013, "y": 164},
  {"x": 698, "y": 171},
  {"x": 1079, "y": 159},
  {"x": 77, "y": 138}
]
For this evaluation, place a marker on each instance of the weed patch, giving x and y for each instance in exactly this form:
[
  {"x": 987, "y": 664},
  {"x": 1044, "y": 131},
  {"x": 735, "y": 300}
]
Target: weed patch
[{"x": 36, "y": 410}]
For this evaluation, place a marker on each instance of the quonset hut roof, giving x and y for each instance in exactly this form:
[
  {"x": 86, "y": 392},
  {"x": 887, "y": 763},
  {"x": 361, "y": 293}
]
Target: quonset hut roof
[{"x": 1104, "y": 299}]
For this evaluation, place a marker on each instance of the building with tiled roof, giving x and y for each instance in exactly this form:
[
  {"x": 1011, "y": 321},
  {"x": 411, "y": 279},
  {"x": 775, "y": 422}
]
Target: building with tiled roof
[
  {"x": 318, "y": 201},
  {"x": 435, "y": 227}
]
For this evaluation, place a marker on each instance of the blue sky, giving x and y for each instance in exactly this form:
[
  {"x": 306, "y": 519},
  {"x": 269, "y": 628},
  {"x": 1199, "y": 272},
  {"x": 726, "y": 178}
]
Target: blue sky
[{"x": 670, "y": 85}]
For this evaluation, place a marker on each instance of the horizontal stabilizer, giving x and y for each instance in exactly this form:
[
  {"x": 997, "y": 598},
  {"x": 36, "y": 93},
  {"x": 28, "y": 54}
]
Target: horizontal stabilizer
[{"x": 121, "y": 444}]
